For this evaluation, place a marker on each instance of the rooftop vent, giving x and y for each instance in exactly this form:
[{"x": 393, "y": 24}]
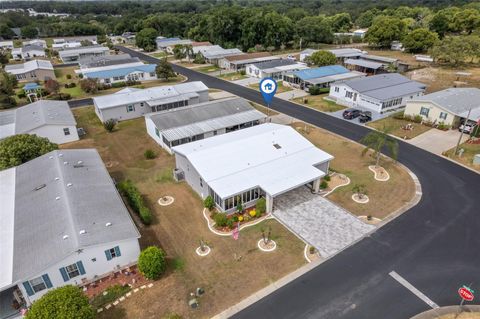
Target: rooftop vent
[
  {"x": 60, "y": 155},
  {"x": 108, "y": 224},
  {"x": 80, "y": 162},
  {"x": 65, "y": 163},
  {"x": 50, "y": 157},
  {"x": 57, "y": 198},
  {"x": 82, "y": 231},
  {"x": 57, "y": 178},
  {"x": 40, "y": 187},
  {"x": 277, "y": 146},
  {"x": 65, "y": 237},
  {"x": 69, "y": 184}
]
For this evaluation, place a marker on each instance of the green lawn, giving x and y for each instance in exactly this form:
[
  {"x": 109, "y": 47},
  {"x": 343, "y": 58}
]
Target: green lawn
[
  {"x": 159, "y": 54},
  {"x": 232, "y": 76},
  {"x": 208, "y": 69},
  {"x": 319, "y": 103},
  {"x": 397, "y": 124},
  {"x": 280, "y": 89}
]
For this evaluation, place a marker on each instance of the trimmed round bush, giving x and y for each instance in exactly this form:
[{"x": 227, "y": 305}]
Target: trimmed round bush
[
  {"x": 220, "y": 219},
  {"x": 149, "y": 154},
  {"x": 208, "y": 202},
  {"x": 64, "y": 302},
  {"x": 152, "y": 262}
]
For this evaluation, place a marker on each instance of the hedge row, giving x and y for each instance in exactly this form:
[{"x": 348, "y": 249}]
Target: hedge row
[{"x": 135, "y": 200}]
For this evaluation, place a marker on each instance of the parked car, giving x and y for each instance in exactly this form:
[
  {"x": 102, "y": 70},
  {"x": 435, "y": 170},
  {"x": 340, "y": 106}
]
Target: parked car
[
  {"x": 468, "y": 127},
  {"x": 351, "y": 114},
  {"x": 365, "y": 116}
]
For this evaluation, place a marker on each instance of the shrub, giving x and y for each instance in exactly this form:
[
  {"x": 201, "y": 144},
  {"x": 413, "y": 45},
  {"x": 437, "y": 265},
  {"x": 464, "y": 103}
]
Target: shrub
[
  {"x": 145, "y": 215},
  {"x": 443, "y": 126},
  {"x": 131, "y": 82},
  {"x": 208, "y": 202},
  {"x": 243, "y": 72},
  {"x": 89, "y": 85},
  {"x": 149, "y": 154},
  {"x": 323, "y": 184},
  {"x": 417, "y": 119},
  {"x": 80, "y": 76},
  {"x": 109, "y": 125},
  {"x": 253, "y": 213},
  {"x": 118, "y": 85},
  {"x": 135, "y": 200},
  {"x": 68, "y": 76},
  {"x": 230, "y": 223},
  {"x": 261, "y": 206},
  {"x": 22, "y": 94},
  {"x": 315, "y": 90},
  {"x": 64, "y": 302},
  {"x": 311, "y": 250},
  {"x": 399, "y": 116},
  {"x": 151, "y": 262},
  {"x": 70, "y": 85},
  {"x": 326, "y": 178},
  {"x": 475, "y": 131},
  {"x": 236, "y": 218},
  {"x": 172, "y": 316},
  {"x": 305, "y": 101},
  {"x": 220, "y": 219}
]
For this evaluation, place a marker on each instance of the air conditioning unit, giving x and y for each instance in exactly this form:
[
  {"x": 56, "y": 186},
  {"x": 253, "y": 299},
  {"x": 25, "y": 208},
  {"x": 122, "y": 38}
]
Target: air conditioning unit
[{"x": 178, "y": 175}]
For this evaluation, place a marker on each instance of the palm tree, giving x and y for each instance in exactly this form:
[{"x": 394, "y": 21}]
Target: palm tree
[{"x": 377, "y": 140}]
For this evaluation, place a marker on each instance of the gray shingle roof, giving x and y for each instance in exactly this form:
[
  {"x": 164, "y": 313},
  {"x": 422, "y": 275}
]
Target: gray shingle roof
[
  {"x": 385, "y": 86},
  {"x": 455, "y": 100},
  {"x": 204, "y": 117},
  {"x": 102, "y": 60},
  {"x": 32, "y": 47},
  {"x": 274, "y": 64},
  {"x": 71, "y": 191},
  {"x": 41, "y": 113}
]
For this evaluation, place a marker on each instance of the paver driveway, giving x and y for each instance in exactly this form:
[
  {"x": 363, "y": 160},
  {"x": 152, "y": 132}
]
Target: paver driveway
[{"x": 319, "y": 222}]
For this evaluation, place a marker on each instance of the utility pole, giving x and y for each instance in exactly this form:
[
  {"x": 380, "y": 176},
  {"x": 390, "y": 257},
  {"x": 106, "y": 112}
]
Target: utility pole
[{"x": 461, "y": 134}]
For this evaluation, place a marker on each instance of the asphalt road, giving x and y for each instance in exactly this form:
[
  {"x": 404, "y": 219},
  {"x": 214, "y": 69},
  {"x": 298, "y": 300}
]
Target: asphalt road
[{"x": 434, "y": 245}]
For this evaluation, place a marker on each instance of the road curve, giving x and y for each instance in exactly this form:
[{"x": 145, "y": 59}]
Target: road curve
[{"x": 434, "y": 245}]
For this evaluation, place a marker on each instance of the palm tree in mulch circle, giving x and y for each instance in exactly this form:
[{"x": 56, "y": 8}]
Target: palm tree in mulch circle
[{"x": 378, "y": 139}]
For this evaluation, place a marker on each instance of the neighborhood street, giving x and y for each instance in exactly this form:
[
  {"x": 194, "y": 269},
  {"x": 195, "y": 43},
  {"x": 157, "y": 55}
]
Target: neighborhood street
[{"x": 433, "y": 246}]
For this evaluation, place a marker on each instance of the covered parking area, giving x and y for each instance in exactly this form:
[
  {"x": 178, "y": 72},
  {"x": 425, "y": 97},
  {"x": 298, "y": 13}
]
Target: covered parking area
[{"x": 319, "y": 222}]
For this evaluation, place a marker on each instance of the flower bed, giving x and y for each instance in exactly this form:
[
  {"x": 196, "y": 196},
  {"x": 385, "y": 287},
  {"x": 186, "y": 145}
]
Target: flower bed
[{"x": 226, "y": 223}]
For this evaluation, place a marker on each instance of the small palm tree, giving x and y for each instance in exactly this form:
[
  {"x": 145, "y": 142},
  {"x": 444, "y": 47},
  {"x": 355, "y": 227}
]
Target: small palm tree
[{"x": 377, "y": 140}]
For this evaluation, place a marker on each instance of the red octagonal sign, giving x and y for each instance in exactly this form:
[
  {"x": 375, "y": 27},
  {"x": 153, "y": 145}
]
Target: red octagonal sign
[{"x": 466, "y": 294}]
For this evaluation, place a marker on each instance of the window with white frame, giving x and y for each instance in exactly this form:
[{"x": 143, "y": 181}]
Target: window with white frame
[
  {"x": 130, "y": 108},
  {"x": 66, "y": 131},
  {"x": 443, "y": 115},
  {"x": 72, "y": 271},
  {"x": 424, "y": 111},
  {"x": 38, "y": 284}
]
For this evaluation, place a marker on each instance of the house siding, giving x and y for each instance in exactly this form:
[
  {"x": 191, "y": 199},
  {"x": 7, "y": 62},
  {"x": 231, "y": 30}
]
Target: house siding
[
  {"x": 129, "y": 249},
  {"x": 363, "y": 101},
  {"x": 413, "y": 108},
  {"x": 55, "y": 133},
  {"x": 37, "y": 75},
  {"x": 192, "y": 177}
]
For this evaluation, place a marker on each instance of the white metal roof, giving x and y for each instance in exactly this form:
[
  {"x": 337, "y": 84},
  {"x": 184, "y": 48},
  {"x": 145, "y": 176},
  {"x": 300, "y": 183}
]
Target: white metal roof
[
  {"x": 284, "y": 68},
  {"x": 28, "y": 66},
  {"x": 273, "y": 157},
  {"x": 151, "y": 94}
]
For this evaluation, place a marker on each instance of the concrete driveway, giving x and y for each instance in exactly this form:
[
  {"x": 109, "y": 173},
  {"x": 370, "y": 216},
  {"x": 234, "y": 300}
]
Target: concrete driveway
[
  {"x": 247, "y": 81},
  {"x": 437, "y": 141},
  {"x": 319, "y": 222},
  {"x": 290, "y": 95}
]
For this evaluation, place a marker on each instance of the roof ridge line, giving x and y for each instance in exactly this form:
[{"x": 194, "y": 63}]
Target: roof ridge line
[{"x": 65, "y": 194}]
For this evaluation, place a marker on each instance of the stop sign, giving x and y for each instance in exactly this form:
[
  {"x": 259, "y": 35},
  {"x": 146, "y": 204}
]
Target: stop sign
[{"x": 466, "y": 294}]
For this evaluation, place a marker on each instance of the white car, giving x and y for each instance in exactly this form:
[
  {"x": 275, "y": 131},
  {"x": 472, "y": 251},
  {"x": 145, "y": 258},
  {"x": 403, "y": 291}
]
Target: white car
[{"x": 467, "y": 127}]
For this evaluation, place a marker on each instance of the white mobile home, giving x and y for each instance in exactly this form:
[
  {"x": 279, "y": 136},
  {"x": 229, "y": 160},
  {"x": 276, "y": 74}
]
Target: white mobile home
[
  {"x": 265, "y": 160},
  {"x": 131, "y": 103},
  {"x": 45, "y": 118},
  {"x": 46, "y": 241},
  {"x": 199, "y": 121},
  {"x": 450, "y": 106},
  {"x": 274, "y": 69},
  {"x": 379, "y": 93},
  {"x": 75, "y": 54}
]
